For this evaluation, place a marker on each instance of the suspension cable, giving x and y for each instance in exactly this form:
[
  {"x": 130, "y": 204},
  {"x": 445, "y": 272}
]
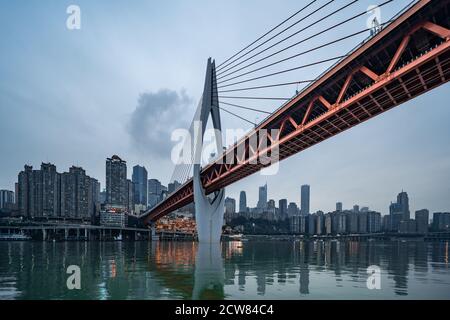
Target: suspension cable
[
  {"x": 229, "y": 66},
  {"x": 268, "y": 86},
  {"x": 290, "y": 57},
  {"x": 284, "y": 71},
  {"x": 246, "y": 108},
  {"x": 306, "y": 39},
  {"x": 254, "y": 98},
  {"x": 232, "y": 113},
  {"x": 268, "y": 32}
]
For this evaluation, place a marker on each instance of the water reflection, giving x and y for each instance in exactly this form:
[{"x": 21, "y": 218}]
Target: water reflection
[
  {"x": 239, "y": 270},
  {"x": 209, "y": 274}
]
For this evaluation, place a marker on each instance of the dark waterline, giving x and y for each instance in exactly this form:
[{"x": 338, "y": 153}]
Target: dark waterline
[{"x": 231, "y": 270}]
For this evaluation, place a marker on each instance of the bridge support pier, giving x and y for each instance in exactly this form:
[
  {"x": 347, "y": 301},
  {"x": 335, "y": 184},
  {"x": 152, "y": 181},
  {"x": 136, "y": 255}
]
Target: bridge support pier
[
  {"x": 208, "y": 213},
  {"x": 152, "y": 233},
  {"x": 209, "y": 209}
]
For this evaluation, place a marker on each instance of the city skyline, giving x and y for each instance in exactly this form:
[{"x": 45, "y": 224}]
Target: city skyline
[
  {"x": 156, "y": 190},
  {"x": 45, "y": 194},
  {"x": 130, "y": 94}
]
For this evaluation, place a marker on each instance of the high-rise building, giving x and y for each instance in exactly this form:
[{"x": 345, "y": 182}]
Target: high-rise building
[
  {"x": 76, "y": 194},
  {"x": 407, "y": 226},
  {"x": 38, "y": 192},
  {"x": 230, "y": 209},
  {"x": 242, "y": 202},
  {"x": 6, "y": 199},
  {"x": 422, "y": 221},
  {"x": 116, "y": 182},
  {"x": 262, "y": 200},
  {"x": 16, "y": 194},
  {"x": 342, "y": 223},
  {"x": 441, "y": 221},
  {"x": 303, "y": 220},
  {"x": 312, "y": 223},
  {"x": 25, "y": 189},
  {"x": 355, "y": 208},
  {"x": 362, "y": 222},
  {"x": 352, "y": 221},
  {"x": 328, "y": 224},
  {"x": 396, "y": 216},
  {"x": 403, "y": 202},
  {"x": 95, "y": 200},
  {"x": 292, "y": 209},
  {"x": 320, "y": 223},
  {"x": 304, "y": 200},
  {"x": 399, "y": 211},
  {"x": 47, "y": 194},
  {"x": 387, "y": 223},
  {"x": 294, "y": 224},
  {"x": 154, "y": 192},
  {"x": 173, "y": 186},
  {"x": 140, "y": 183},
  {"x": 230, "y": 206},
  {"x": 339, "y": 206},
  {"x": 103, "y": 196},
  {"x": 283, "y": 208},
  {"x": 335, "y": 222},
  {"x": 373, "y": 222},
  {"x": 130, "y": 196},
  {"x": 50, "y": 187}
]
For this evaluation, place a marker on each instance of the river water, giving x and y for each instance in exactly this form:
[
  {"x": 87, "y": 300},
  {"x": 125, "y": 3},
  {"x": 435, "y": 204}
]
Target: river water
[{"x": 231, "y": 270}]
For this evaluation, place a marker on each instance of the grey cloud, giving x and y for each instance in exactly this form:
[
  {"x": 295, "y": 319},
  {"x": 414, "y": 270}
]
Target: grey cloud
[{"x": 156, "y": 115}]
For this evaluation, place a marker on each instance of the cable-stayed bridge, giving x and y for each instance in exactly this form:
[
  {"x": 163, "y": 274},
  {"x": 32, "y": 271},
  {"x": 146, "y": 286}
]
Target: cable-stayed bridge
[{"x": 401, "y": 59}]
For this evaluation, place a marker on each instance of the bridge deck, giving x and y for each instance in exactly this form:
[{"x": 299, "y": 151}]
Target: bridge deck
[{"x": 406, "y": 59}]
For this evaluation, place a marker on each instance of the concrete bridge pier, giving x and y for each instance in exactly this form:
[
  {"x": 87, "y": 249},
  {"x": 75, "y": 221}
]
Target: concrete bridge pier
[
  {"x": 209, "y": 209},
  {"x": 152, "y": 234},
  {"x": 208, "y": 213}
]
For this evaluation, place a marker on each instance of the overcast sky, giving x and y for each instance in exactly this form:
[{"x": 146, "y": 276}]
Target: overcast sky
[{"x": 135, "y": 71}]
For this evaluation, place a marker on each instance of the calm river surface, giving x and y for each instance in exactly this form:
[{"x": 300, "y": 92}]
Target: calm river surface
[{"x": 231, "y": 270}]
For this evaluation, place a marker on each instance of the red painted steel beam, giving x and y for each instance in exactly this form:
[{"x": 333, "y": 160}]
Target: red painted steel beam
[{"x": 376, "y": 86}]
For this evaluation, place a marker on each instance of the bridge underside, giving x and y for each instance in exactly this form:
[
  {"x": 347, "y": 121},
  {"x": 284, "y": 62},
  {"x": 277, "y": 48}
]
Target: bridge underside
[{"x": 406, "y": 59}]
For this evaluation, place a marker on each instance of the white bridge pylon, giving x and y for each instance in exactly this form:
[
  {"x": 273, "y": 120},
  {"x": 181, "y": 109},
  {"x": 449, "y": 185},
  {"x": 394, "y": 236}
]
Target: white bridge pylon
[{"x": 209, "y": 209}]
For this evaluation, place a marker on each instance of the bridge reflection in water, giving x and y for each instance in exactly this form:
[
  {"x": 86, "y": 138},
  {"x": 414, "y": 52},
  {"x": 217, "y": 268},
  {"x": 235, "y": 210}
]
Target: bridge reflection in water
[{"x": 239, "y": 270}]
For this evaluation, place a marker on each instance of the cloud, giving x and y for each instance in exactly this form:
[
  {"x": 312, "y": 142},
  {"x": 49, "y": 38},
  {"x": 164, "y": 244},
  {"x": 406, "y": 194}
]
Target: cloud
[{"x": 156, "y": 115}]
